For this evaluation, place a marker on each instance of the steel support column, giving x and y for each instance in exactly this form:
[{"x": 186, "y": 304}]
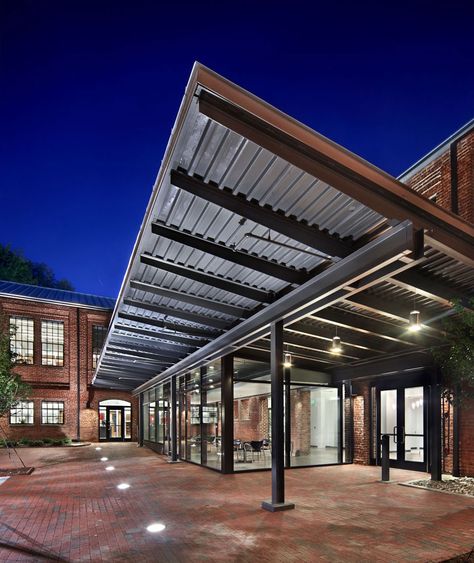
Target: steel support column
[
  {"x": 174, "y": 421},
  {"x": 140, "y": 420},
  {"x": 435, "y": 432},
  {"x": 227, "y": 413},
  {"x": 277, "y": 502},
  {"x": 456, "y": 433},
  {"x": 287, "y": 373}
]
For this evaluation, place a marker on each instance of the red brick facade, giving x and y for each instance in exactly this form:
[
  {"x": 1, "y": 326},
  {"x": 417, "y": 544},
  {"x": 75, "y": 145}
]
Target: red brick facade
[
  {"x": 52, "y": 383},
  {"x": 434, "y": 180}
]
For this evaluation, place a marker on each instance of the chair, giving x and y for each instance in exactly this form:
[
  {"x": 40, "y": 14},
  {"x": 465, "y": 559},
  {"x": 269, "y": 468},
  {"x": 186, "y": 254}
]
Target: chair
[{"x": 257, "y": 447}]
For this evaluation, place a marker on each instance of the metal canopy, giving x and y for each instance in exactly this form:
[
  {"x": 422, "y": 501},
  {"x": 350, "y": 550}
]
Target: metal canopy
[{"x": 256, "y": 218}]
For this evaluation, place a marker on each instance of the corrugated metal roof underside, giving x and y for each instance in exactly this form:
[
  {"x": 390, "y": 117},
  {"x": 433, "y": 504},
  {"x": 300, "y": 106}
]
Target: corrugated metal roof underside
[{"x": 221, "y": 156}]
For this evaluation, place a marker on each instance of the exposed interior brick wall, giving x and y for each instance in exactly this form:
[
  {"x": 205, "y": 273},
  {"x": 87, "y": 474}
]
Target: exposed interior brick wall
[
  {"x": 361, "y": 421},
  {"x": 60, "y": 383},
  {"x": 300, "y": 408},
  {"x": 435, "y": 179},
  {"x": 252, "y": 418}
]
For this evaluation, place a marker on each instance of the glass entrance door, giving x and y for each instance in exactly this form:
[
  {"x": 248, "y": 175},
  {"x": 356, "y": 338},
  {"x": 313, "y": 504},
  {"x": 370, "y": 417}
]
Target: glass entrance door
[
  {"x": 402, "y": 415},
  {"x": 115, "y": 423}
]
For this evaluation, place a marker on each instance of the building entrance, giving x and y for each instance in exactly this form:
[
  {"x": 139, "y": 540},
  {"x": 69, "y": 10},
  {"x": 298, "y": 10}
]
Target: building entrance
[
  {"x": 115, "y": 421},
  {"x": 402, "y": 414}
]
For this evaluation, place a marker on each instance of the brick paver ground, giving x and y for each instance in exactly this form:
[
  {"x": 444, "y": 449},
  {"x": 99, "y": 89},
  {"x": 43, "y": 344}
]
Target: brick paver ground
[{"x": 70, "y": 508}]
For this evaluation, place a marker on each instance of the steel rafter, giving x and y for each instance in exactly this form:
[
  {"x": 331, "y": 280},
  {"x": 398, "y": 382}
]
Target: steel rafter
[
  {"x": 206, "y": 278},
  {"x": 275, "y": 220},
  {"x": 220, "y": 250},
  {"x": 203, "y": 302},
  {"x": 184, "y": 330},
  {"x": 178, "y": 314},
  {"x": 322, "y": 290}
]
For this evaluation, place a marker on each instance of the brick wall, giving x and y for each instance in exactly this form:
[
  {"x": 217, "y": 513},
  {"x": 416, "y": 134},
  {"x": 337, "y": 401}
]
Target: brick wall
[
  {"x": 300, "y": 421},
  {"x": 466, "y": 439},
  {"x": 251, "y": 418},
  {"x": 361, "y": 425},
  {"x": 435, "y": 179},
  {"x": 61, "y": 383}
]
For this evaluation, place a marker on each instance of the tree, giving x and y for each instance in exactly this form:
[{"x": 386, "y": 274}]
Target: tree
[
  {"x": 15, "y": 267},
  {"x": 12, "y": 388},
  {"x": 456, "y": 358}
]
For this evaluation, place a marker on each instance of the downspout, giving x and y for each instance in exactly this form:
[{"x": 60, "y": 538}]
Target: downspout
[
  {"x": 453, "y": 158},
  {"x": 78, "y": 383}
]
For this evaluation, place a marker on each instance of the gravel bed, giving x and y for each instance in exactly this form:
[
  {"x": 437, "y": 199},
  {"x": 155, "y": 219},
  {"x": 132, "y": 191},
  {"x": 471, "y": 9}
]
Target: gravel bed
[{"x": 458, "y": 485}]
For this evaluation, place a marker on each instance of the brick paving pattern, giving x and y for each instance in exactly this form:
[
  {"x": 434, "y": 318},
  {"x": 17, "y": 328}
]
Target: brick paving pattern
[{"x": 71, "y": 510}]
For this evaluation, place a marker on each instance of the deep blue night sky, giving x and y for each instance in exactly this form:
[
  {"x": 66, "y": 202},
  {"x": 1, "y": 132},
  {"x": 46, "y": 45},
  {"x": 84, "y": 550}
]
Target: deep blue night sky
[{"x": 89, "y": 92}]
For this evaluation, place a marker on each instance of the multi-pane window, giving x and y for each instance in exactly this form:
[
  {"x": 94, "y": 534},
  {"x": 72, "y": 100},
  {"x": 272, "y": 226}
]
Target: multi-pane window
[
  {"x": 52, "y": 343},
  {"x": 22, "y": 339},
  {"x": 52, "y": 412},
  {"x": 22, "y": 413},
  {"x": 98, "y": 339}
]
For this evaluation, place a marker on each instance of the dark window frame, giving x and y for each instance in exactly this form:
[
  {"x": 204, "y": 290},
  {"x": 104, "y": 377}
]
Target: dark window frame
[
  {"x": 30, "y": 409},
  {"x": 45, "y": 410},
  {"x": 99, "y": 333},
  {"x": 16, "y": 339},
  {"x": 48, "y": 339}
]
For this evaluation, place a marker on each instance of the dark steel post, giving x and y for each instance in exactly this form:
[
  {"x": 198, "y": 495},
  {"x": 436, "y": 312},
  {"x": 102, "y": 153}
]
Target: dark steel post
[
  {"x": 203, "y": 400},
  {"x": 227, "y": 413},
  {"x": 140, "y": 420},
  {"x": 174, "y": 421},
  {"x": 287, "y": 417},
  {"x": 278, "y": 442},
  {"x": 340, "y": 457},
  {"x": 385, "y": 457},
  {"x": 435, "y": 434},
  {"x": 456, "y": 433}
]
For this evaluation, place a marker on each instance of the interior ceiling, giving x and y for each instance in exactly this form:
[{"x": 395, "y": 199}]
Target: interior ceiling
[{"x": 232, "y": 228}]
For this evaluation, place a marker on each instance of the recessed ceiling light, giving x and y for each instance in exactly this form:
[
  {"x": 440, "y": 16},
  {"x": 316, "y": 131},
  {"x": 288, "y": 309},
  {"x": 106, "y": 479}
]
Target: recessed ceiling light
[
  {"x": 109, "y": 468},
  {"x": 98, "y": 449},
  {"x": 211, "y": 380},
  {"x": 104, "y": 459},
  {"x": 123, "y": 486},
  {"x": 157, "y": 527}
]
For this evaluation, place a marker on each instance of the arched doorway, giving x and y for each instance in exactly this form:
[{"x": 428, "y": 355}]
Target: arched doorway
[{"x": 115, "y": 420}]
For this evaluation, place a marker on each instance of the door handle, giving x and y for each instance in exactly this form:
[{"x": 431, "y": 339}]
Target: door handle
[
  {"x": 395, "y": 434},
  {"x": 403, "y": 435}
]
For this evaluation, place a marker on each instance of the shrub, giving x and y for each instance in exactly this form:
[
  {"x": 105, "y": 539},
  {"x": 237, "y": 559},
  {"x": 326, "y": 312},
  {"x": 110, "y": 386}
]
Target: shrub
[
  {"x": 48, "y": 441},
  {"x": 36, "y": 443},
  {"x": 67, "y": 441},
  {"x": 8, "y": 443},
  {"x": 58, "y": 442},
  {"x": 24, "y": 442}
]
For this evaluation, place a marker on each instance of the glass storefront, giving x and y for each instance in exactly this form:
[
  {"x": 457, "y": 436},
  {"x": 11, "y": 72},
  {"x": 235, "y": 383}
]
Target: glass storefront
[{"x": 315, "y": 427}]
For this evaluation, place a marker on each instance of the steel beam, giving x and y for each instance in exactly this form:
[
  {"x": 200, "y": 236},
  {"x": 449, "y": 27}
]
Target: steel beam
[
  {"x": 178, "y": 314},
  {"x": 212, "y": 280},
  {"x": 320, "y": 158},
  {"x": 262, "y": 215},
  {"x": 433, "y": 289},
  {"x": 184, "y": 329},
  {"x": 381, "y": 366},
  {"x": 245, "y": 259},
  {"x": 191, "y": 342},
  {"x": 137, "y": 341},
  {"x": 399, "y": 311},
  {"x": 142, "y": 354},
  {"x": 319, "y": 292},
  {"x": 325, "y": 333},
  {"x": 230, "y": 310},
  {"x": 375, "y": 328}
]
